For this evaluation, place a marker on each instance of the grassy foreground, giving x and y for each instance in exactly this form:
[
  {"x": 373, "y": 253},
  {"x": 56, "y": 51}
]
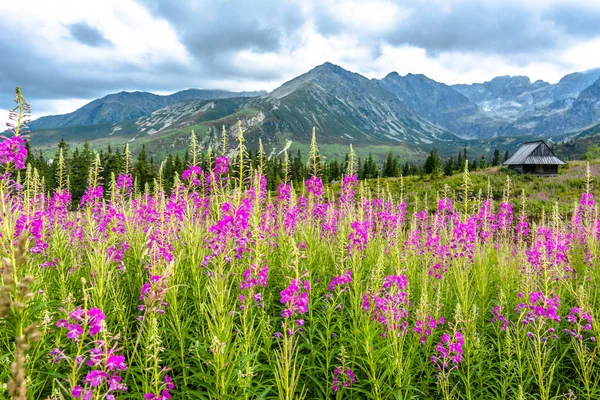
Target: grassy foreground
[{"x": 223, "y": 290}]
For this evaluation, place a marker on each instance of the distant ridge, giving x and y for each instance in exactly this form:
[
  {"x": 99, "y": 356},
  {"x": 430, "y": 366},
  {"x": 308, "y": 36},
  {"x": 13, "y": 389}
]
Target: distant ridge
[
  {"x": 412, "y": 114},
  {"x": 124, "y": 106}
]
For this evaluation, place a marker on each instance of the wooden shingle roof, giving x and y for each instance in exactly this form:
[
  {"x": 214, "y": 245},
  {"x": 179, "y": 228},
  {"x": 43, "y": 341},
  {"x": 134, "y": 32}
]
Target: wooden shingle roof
[{"x": 534, "y": 153}]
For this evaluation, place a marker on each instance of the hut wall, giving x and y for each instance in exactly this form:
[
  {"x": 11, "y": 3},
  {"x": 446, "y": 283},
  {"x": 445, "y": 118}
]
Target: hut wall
[{"x": 536, "y": 169}]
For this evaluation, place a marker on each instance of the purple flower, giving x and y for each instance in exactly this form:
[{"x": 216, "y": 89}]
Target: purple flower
[
  {"x": 74, "y": 331},
  {"x": 77, "y": 391},
  {"x": 164, "y": 394},
  {"x": 221, "y": 165},
  {"x": 449, "y": 351},
  {"x": 96, "y": 316},
  {"x": 114, "y": 362},
  {"x": 314, "y": 186},
  {"x": 498, "y": 317},
  {"x": 125, "y": 183},
  {"x": 295, "y": 297},
  {"x": 342, "y": 280},
  {"x": 343, "y": 378},
  {"x": 12, "y": 150},
  {"x": 92, "y": 195},
  {"x": 95, "y": 377},
  {"x": 390, "y": 305},
  {"x": 540, "y": 308}
]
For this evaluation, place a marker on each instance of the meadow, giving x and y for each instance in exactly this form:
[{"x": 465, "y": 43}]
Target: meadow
[{"x": 224, "y": 290}]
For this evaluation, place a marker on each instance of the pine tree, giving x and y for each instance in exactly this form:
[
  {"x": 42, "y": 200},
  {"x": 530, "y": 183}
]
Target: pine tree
[
  {"x": 78, "y": 176},
  {"x": 142, "y": 170},
  {"x": 506, "y": 156},
  {"x": 433, "y": 164},
  {"x": 406, "y": 169},
  {"x": 473, "y": 165},
  {"x": 370, "y": 169},
  {"x": 460, "y": 161},
  {"x": 496, "y": 159},
  {"x": 390, "y": 166},
  {"x": 178, "y": 166},
  {"x": 483, "y": 162},
  {"x": 449, "y": 166}
]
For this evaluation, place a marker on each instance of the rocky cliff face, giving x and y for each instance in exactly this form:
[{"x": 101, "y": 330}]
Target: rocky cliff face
[{"x": 344, "y": 107}]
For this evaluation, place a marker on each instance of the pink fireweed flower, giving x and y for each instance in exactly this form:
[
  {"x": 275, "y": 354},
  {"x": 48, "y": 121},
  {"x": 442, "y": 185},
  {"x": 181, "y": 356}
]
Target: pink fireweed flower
[
  {"x": 194, "y": 175},
  {"x": 390, "y": 305},
  {"x": 359, "y": 238},
  {"x": 449, "y": 352},
  {"x": 98, "y": 382},
  {"x": 500, "y": 318},
  {"x": 116, "y": 362},
  {"x": 96, "y": 378},
  {"x": 153, "y": 294},
  {"x": 505, "y": 217},
  {"x": 550, "y": 248},
  {"x": 437, "y": 270},
  {"x": 540, "y": 307},
  {"x": 425, "y": 327},
  {"x": 581, "y": 322},
  {"x": 115, "y": 253},
  {"x": 522, "y": 229},
  {"x": 464, "y": 237},
  {"x": 348, "y": 189},
  {"x": 252, "y": 278},
  {"x": 77, "y": 392},
  {"x": 232, "y": 228},
  {"x": 540, "y": 310},
  {"x": 221, "y": 165},
  {"x": 164, "y": 392},
  {"x": 92, "y": 196},
  {"x": 342, "y": 281},
  {"x": 445, "y": 207},
  {"x": 13, "y": 151},
  {"x": 314, "y": 186},
  {"x": 284, "y": 192},
  {"x": 125, "y": 183},
  {"x": 94, "y": 319},
  {"x": 585, "y": 210},
  {"x": 343, "y": 378},
  {"x": 295, "y": 298}
]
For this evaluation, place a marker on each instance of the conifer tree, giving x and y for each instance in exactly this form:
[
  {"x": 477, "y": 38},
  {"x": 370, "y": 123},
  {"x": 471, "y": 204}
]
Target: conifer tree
[
  {"x": 449, "y": 166},
  {"x": 496, "y": 159}
]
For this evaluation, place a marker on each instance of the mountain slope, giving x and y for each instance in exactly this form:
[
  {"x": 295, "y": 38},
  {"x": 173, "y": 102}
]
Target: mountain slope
[
  {"x": 536, "y": 108},
  {"x": 442, "y": 105},
  {"x": 125, "y": 106},
  {"x": 344, "y": 107},
  {"x": 409, "y": 114},
  {"x": 507, "y": 96}
]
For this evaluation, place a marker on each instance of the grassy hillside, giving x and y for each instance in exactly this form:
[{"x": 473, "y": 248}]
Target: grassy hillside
[{"x": 541, "y": 193}]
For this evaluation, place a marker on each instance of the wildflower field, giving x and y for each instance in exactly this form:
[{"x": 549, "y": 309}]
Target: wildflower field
[{"x": 219, "y": 289}]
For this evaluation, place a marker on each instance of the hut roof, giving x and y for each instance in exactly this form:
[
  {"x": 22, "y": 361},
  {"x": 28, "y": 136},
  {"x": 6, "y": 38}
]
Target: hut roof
[{"x": 536, "y": 153}]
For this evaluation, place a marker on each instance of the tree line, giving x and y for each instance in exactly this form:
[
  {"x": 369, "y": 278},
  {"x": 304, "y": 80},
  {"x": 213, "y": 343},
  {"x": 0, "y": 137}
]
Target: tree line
[
  {"x": 433, "y": 163},
  {"x": 144, "y": 168}
]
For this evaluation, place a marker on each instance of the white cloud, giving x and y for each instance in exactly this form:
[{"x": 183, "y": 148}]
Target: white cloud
[
  {"x": 152, "y": 51},
  {"x": 3, "y": 119},
  {"x": 137, "y": 36}
]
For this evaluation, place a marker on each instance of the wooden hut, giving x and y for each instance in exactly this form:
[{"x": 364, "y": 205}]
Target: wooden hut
[{"x": 534, "y": 158}]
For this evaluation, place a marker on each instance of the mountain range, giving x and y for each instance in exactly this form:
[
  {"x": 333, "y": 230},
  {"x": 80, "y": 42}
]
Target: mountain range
[{"x": 409, "y": 115}]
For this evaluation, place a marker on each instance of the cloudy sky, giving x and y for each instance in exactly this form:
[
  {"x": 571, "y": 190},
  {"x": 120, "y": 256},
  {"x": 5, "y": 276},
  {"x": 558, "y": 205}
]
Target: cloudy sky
[{"x": 66, "y": 53}]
